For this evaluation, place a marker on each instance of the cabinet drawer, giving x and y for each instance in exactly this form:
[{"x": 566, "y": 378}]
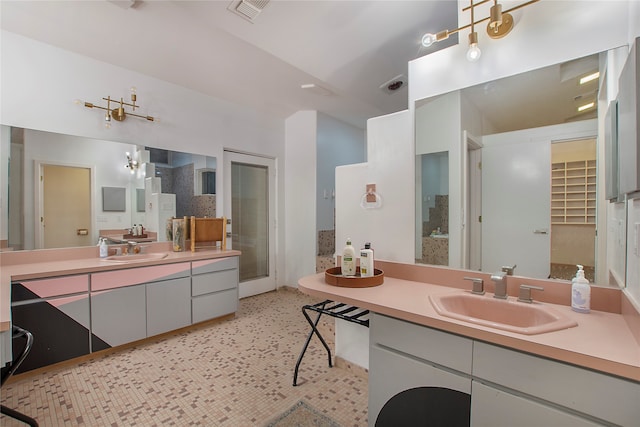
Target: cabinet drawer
[
  {"x": 214, "y": 282},
  {"x": 49, "y": 287},
  {"x": 609, "y": 398},
  {"x": 491, "y": 407},
  {"x": 211, "y": 265},
  {"x": 438, "y": 347},
  {"x": 210, "y": 306},
  {"x": 136, "y": 276},
  {"x": 392, "y": 373}
]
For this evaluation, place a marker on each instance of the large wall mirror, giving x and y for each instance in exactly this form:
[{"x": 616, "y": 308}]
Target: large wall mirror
[
  {"x": 66, "y": 191},
  {"x": 520, "y": 157}
]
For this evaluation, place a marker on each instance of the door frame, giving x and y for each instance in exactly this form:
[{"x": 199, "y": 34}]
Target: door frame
[
  {"x": 39, "y": 198},
  {"x": 269, "y": 283}
]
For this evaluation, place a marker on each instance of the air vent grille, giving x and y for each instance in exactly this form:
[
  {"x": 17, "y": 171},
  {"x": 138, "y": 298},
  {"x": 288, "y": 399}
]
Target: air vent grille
[{"x": 248, "y": 9}]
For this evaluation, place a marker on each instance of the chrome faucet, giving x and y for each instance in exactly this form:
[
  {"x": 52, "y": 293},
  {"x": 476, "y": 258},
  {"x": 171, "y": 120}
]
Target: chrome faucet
[
  {"x": 500, "y": 281},
  {"x": 508, "y": 269},
  {"x": 525, "y": 293},
  {"x": 132, "y": 247},
  {"x": 478, "y": 285}
]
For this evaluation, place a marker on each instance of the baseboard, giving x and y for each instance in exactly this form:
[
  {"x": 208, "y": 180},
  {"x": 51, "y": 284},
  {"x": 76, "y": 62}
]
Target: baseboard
[{"x": 356, "y": 370}]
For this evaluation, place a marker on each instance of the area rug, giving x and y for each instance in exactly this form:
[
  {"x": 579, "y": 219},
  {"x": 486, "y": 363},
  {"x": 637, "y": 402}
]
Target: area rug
[{"x": 302, "y": 415}]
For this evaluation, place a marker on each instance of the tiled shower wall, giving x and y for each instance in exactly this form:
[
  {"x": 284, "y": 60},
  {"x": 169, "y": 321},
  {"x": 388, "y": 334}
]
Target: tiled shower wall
[{"x": 179, "y": 181}]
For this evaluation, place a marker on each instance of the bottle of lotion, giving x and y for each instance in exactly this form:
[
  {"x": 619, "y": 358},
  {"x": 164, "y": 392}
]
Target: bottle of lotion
[
  {"x": 348, "y": 262},
  {"x": 366, "y": 261},
  {"x": 580, "y": 292}
]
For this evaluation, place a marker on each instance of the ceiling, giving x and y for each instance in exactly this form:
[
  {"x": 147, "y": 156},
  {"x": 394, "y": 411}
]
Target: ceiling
[
  {"x": 350, "y": 51},
  {"x": 347, "y": 48}
]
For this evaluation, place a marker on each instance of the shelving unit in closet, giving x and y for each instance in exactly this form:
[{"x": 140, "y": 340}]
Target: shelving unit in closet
[{"x": 573, "y": 192}]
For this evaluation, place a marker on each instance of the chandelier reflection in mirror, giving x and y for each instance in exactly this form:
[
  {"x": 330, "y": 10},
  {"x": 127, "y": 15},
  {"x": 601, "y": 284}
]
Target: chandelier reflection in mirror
[
  {"x": 131, "y": 164},
  {"x": 500, "y": 24},
  {"x": 117, "y": 110}
]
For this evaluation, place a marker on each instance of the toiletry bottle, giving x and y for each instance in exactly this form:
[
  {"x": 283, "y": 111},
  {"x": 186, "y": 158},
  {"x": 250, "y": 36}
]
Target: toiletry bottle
[
  {"x": 366, "y": 261},
  {"x": 580, "y": 292},
  {"x": 139, "y": 230},
  {"x": 104, "y": 249},
  {"x": 348, "y": 263}
]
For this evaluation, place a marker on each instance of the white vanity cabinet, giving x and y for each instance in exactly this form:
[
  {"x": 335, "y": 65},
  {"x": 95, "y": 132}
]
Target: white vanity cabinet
[
  {"x": 168, "y": 305},
  {"x": 523, "y": 389},
  {"x": 56, "y": 312},
  {"x": 404, "y": 358},
  {"x": 214, "y": 288},
  {"x": 506, "y": 387},
  {"x": 134, "y": 303},
  {"x": 118, "y": 316}
]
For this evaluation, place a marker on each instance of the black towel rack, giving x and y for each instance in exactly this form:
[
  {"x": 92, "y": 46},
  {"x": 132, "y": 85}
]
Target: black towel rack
[{"x": 333, "y": 309}]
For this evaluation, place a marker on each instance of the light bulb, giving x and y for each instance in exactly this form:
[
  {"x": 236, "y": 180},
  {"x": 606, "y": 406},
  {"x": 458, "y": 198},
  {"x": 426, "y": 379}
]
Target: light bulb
[
  {"x": 474, "y": 52},
  {"x": 428, "y": 39}
]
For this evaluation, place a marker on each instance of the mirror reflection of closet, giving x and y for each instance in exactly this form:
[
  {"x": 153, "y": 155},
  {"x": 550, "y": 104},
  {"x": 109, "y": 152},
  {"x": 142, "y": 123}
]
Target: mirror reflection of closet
[{"x": 573, "y": 208}]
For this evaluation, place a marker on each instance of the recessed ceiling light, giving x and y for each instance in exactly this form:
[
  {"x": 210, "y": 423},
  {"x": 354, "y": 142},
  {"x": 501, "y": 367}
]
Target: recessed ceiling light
[
  {"x": 586, "y": 106},
  {"x": 590, "y": 77}
]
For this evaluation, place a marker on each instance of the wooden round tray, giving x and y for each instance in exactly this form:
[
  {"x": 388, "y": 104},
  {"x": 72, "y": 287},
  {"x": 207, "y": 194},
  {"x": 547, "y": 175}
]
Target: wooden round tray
[{"x": 333, "y": 276}]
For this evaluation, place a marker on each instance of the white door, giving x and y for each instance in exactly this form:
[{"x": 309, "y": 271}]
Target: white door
[
  {"x": 249, "y": 201},
  {"x": 516, "y": 204}
]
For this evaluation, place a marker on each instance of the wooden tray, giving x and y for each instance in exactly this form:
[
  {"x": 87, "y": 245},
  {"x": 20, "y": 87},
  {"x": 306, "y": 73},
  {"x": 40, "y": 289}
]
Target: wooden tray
[{"x": 333, "y": 276}]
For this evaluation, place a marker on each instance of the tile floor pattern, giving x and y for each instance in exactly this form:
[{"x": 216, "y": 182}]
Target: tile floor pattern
[{"x": 237, "y": 372}]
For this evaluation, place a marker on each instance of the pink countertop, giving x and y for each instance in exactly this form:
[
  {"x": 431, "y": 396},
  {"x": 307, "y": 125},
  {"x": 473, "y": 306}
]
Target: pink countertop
[
  {"x": 602, "y": 340},
  {"x": 25, "y": 265}
]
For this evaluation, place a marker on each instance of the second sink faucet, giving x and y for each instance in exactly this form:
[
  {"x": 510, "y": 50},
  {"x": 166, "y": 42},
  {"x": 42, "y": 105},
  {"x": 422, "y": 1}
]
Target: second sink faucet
[
  {"x": 509, "y": 269},
  {"x": 500, "y": 282}
]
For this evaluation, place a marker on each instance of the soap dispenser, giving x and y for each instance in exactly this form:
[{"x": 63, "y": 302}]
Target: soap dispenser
[
  {"x": 580, "y": 292},
  {"x": 104, "y": 249},
  {"x": 348, "y": 262}
]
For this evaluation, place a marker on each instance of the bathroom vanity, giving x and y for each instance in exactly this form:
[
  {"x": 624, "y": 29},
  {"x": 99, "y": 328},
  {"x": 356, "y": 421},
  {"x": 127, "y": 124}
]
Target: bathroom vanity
[
  {"x": 587, "y": 374},
  {"x": 76, "y": 305}
]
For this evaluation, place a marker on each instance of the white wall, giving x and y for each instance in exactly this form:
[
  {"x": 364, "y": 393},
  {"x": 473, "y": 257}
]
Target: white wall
[
  {"x": 338, "y": 144},
  {"x": 5, "y": 137},
  {"x": 300, "y": 196},
  {"x": 390, "y": 167}
]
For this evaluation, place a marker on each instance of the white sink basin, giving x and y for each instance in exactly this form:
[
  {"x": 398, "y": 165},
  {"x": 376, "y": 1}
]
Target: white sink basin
[
  {"x": 136, "y": 257},
  {"x": 508, "y": 315}
]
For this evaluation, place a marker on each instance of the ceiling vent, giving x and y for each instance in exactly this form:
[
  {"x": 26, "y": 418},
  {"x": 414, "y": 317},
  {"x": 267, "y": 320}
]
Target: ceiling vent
[
  {"x": 395, "y": 84},
  {"x": 247, "y": 9}
]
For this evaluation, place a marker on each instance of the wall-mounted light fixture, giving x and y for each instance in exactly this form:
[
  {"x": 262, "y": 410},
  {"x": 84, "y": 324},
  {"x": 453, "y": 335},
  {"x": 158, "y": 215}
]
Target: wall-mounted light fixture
[
  {"x": 116, "y": 110},
  {"x": 131, "y": 164},
  {"x": 500, "y": 24}
]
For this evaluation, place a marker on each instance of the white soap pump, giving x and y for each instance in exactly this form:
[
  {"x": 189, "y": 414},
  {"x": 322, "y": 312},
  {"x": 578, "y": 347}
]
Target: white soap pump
[
  {"x": 580, "y": 292},
  {"x": 104, "y": 248}
]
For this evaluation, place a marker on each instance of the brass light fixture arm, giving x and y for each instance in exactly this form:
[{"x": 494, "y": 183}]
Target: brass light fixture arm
[{"x": 520, "y": 6}]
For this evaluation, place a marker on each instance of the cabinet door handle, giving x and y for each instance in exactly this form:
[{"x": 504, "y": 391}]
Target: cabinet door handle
[{"x": 541, "y": 231}]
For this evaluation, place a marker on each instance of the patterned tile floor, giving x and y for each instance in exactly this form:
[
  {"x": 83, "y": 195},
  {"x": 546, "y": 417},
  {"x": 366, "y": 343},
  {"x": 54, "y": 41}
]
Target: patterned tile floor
[{"x": 237, "y": 372}]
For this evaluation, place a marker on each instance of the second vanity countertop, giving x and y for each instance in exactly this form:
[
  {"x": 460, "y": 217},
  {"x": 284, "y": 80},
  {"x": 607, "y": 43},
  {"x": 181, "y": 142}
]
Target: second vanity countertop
[
  {"x": 602, "y": 341},
  {"x": 50, "y": 263}
]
